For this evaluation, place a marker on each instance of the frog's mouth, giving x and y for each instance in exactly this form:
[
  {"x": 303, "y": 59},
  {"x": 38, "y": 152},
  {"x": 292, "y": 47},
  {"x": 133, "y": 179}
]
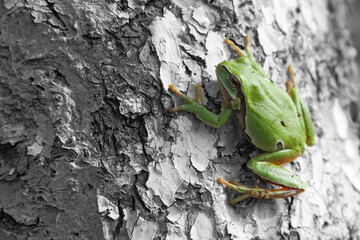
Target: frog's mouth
[
  {"x": 237, "y": 94},
  {"x": 226, "y": 91}
]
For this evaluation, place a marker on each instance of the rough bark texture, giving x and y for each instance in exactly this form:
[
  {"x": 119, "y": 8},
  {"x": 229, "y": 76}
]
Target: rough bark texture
[{"x": 89, "y": 151}]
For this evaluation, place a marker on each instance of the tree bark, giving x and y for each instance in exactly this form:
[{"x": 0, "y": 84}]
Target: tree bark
[{"x": 88, "y": 149}]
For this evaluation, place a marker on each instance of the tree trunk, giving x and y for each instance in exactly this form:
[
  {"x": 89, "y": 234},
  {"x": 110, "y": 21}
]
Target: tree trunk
[{"x": 88, "y": 149}]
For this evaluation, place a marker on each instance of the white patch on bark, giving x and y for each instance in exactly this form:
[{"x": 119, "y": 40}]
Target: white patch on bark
[
  {"x": 165, "y": 31},
  {"x": 270, "y": 39},
  {"x": 202, "y": 228},
  {"x": 164, "y": 180},
  {"x": 144, "y": 230},
  {"x": 340, "y": 119}
]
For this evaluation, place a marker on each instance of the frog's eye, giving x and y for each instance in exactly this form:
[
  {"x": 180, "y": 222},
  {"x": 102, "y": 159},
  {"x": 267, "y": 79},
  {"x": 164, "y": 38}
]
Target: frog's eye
[{"x": 233, "y": 82}]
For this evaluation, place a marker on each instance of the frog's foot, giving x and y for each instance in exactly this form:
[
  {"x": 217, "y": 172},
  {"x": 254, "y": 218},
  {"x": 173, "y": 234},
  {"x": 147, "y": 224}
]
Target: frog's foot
[
  {"x": 196, "y": 106},
  {"x": 189, "y": 101},
  {"x": 240, "y": 52},
  {"x": 257, "y": 192},
  {"x": 228, "y": 41},
  {"x": 290, "y": 84},
  {"x": 246, "y": 42},
  {"x": 257, "y": 183},
  {"x": 199, "y": 99}
]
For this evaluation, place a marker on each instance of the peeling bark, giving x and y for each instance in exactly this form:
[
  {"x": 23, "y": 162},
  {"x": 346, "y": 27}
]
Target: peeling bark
[{"x": 89, "y": 151}]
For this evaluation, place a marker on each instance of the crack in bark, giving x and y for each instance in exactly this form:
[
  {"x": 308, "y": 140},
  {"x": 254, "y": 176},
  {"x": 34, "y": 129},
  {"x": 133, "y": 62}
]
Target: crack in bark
[
  {"x": 289, "y": 215},
  {"x": 120, "y": 223},
  {"x": 51, "y": 5}
]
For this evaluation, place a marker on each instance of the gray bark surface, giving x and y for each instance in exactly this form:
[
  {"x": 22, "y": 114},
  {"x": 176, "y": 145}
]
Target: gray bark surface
[{"x": 88, "y": 149}]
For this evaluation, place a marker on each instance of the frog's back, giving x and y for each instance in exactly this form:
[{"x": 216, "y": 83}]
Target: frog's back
[{"x": 272, "y": 122}]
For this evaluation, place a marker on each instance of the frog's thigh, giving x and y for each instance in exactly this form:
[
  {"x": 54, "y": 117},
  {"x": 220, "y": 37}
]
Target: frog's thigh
[
  {"x": 266, "y": 167},
  {"x": 280, "y": 157},
  {"x": 284, "y": 160}
]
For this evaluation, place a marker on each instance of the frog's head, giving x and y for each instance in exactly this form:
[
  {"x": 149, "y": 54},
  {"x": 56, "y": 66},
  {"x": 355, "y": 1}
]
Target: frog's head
[
  {"x": 229, "y": 80},
  {"x": 228, "y": 72}
]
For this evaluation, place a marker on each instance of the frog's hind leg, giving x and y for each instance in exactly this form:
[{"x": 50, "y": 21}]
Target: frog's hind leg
[
  {"x": 237, "y": 187},
  {"x": 267, "y": 167},
  {"x": 257, "y": 192}
]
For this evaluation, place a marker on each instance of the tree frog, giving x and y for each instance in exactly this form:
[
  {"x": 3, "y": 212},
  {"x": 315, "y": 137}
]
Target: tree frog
[{"x": 275, "y": 121}]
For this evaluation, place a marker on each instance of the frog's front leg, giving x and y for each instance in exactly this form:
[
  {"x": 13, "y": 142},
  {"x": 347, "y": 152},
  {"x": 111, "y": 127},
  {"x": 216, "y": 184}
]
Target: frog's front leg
[
  {"x": 302, "y": 109},
  {"x": 196, "y": 106},
  {"x": 267, "y": 167}
]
